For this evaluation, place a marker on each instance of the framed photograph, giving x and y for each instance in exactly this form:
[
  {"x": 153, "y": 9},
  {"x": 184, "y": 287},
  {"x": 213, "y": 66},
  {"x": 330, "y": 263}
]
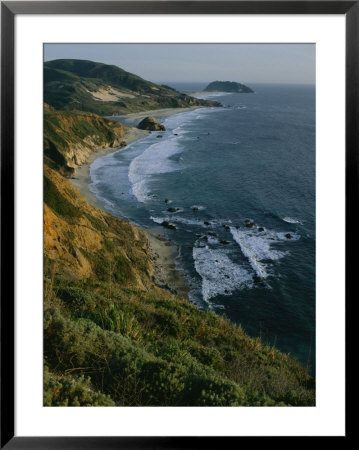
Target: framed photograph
[{"x": 176, "y": 187}]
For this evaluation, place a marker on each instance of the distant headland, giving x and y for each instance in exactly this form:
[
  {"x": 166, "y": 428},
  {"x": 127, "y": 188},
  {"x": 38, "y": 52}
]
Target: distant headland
[{"x": 228, "y": 86}]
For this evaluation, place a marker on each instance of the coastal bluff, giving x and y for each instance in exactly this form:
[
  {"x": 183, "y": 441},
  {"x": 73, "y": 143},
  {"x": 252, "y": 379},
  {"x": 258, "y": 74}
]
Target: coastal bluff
[
  {"x": 70, "y": 138},
  {"x": 228, "y": 86}
]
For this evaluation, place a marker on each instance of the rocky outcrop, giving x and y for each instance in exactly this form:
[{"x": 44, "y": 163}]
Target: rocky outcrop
[
  {"x": 148, "y": 123},
  {"x": 168, "y": 225},
  {"x": 69, "y": 139}
]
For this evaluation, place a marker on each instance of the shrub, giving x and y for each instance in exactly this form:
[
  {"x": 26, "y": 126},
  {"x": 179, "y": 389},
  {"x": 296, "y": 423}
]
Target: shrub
[{"x": 72, "y": 391}]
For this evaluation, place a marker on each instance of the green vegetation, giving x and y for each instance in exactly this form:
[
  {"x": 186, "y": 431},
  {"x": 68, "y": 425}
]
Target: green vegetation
[
  {"x": 69, "y": 391},
  {"x": 80, "y": 85},
  {"x": 57, "y": 202},
  {"x": 228, "y": 86},
  {"x": 151, "y": 348}
]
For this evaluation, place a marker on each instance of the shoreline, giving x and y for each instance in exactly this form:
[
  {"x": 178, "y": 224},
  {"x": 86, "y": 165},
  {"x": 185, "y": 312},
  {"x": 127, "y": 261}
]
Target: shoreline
[
  {"x": 157, "y": 114},
  {"x": 163, "y": 251},
  {"x": 81, "y": 177}
]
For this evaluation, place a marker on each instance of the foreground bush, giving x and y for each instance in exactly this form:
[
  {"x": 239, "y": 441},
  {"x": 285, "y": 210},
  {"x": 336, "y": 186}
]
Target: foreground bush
[{"x": 147, "y": 349}]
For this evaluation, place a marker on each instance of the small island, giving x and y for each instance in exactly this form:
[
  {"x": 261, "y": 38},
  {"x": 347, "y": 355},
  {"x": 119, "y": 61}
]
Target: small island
[{"x": 228, "y": 86}]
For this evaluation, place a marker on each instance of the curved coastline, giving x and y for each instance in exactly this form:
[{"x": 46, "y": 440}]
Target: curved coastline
[{"x": 163, "y": 251}]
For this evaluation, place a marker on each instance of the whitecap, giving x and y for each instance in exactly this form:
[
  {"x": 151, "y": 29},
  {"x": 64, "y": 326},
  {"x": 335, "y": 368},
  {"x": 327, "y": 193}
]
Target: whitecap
[
  {"x": 205, "y": 95},
  {"x": 178, "y": 219},
  {"x": 256, "y": 247},
  {"x": 219, "y": 274},
  {"x": 154, "y": 160},
  {"x": 212, "y": 240},
  {"x": 291, "y": 220}
]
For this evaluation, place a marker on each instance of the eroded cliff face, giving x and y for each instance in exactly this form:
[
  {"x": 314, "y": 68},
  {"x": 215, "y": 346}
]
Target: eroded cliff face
[
  {"x": 81, "y": 241},
  {"x": 69, "y": 139}
]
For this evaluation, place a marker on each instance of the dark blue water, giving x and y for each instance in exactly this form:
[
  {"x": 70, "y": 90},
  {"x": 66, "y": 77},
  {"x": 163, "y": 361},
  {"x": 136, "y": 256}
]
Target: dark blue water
[{"x": 225, "y": 169}]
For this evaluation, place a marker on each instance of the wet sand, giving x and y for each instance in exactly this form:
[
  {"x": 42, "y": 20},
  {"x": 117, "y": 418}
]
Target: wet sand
[{"x": 164, "y": 254}]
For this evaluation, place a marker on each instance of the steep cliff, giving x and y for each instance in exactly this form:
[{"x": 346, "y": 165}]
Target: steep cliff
[
  {"x": 82, "y": 241},
  {"x": 70, "y": 138}
]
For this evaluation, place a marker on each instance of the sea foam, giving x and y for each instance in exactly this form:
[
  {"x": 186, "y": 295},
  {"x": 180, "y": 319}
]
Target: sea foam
[
  {"x": 206, "y": 95},
  {"x": 291, "y": 220},
  {"x": 177, "y": 219},
  {"x": 220, "y": 275},
  {"x": 154, "y": 160},
  {"x": 256, "y": 247}
]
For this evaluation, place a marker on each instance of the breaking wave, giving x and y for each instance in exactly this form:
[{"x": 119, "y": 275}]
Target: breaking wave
[
  {"x": 220, "y": 275},
  {"x": 257, "y": 247}
]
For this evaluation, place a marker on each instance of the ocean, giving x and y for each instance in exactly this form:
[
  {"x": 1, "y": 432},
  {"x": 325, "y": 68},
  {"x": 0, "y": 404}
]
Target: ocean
[{"x": 238, "y": 184}]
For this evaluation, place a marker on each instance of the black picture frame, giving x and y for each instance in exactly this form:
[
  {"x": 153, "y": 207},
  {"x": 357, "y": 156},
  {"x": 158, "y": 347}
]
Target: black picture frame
[{"x": 8, "y": 12}]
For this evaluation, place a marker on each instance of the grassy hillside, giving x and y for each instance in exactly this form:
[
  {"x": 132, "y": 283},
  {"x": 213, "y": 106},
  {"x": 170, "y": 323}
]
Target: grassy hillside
[
  {"x": 80, "y": 85},
  {"x": 112, "y": 337}
]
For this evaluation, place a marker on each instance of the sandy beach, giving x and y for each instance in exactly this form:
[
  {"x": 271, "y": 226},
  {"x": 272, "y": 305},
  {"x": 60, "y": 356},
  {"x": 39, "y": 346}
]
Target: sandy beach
[
  {"x": 163, "y": 252},
  {"x": 156, "y": 114},
  {"x": 81, "y": 178}
]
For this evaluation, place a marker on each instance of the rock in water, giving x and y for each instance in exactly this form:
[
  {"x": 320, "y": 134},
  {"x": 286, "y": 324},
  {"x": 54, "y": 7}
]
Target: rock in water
[
  {"x": 168, "y": 225},
  {"x": 148, "y": 123},
  {"x": 222, "y": 241},
  {"x": 228, "y": 86}
]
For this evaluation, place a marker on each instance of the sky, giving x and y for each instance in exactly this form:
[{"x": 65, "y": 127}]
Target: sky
[{"x": 246, "y": 63}]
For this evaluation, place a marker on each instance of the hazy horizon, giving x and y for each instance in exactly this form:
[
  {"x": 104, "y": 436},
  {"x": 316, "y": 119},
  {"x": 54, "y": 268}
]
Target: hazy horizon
[{"x": 200, "y": 63}]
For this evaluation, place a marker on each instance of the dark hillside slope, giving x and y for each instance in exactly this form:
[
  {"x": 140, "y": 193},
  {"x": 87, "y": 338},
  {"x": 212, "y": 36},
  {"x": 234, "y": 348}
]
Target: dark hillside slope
[{"x": 80, "y": 85}]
